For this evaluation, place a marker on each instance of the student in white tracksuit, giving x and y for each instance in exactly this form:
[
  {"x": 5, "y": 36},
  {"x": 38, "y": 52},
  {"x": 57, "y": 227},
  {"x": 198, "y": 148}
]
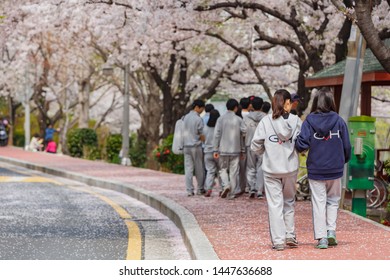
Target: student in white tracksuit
[
  {"x": 210, "y": 162},
  {"x": 192, "y": 148},
  {"x": 325, "y": 134},
  {"x": 275, "y": 138},
  {"x": 254, "y": 172},
  {"x": 228, "y": 146}
]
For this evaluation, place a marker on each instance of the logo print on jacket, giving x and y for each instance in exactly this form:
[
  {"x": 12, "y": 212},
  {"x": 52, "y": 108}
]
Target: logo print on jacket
[
  {"x": 275, "y": 139},
  {"x": 326, "y": 138}
]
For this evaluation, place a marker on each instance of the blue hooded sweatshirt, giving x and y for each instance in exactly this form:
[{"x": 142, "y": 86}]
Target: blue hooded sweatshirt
[{"x": 326, "y": 137}]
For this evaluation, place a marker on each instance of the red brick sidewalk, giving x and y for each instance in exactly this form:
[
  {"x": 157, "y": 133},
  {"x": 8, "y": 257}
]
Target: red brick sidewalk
[{"x": 237, "y": 229}]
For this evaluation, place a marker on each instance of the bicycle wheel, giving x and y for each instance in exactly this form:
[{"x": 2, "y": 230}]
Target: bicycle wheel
[
  {"x": 303, "y": 190},
  {"x": 377, "y": 195}
]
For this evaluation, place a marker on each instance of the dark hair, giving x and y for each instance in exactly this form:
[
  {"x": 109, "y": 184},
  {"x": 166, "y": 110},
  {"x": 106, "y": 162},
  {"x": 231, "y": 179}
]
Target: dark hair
[
  {"x": 266, "y": 107},
  {"x": 198, "y": 102},
  {"x": 257, "y": 103},
  {"x": 245, "y": 102},
  {"x": 231, "y": 104},
  {"x": 208, "y": 108},
  {"x": 323, "y": 102},
  {"x": 280, "y": 97},
  {"x": 214, "y": 115},
  {"x": 36, "y": 135}
]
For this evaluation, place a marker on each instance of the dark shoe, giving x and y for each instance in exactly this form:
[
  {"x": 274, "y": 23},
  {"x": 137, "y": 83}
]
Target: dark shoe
[
  {"x": 200, "y": 192},
  {"x": 260, "y": 196},
  {"x": 278, "y": 247},
  {"x": 292, "y": 242},
  {"x": 252, "y": 195},
  {"x": 332, "y": 241},
  {"x": 322, "y": 243},
  {"x": 190, "y": 194},
  {"x": 225, "y": 192},
  {"x": 208, "y": 193}
]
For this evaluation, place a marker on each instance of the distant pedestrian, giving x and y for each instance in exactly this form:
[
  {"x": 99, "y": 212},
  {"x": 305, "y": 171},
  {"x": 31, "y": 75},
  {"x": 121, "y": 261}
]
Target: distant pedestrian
[
  {"x": 295, "y": 99},
  {"x": 245, "y": 106},
  {"x": 193, "y": 153},
  {"x": 51, "y": 146},
  {"x": 36, "y": 143},
  {"x": 207, "y": 110},
  {"x": 3, "y": 134},
  {"x": 254, "y": 173},
  {"x": 266, "y": 107},
  {"x": 228, "y": 146},
  {"x": 275, "y": 138},
  {"x": 242, "y": 183},
  {"x": 49, "y": 133},
  {"x": 325, "y": 134},
  {"x": 210, "y": 162}
]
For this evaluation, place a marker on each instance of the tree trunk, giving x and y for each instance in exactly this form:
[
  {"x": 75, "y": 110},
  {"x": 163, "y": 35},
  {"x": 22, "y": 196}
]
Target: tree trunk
[
  {"x": 341, "y": 48},
  {"x": 370, "y": 34},
  {"x": 84, "y": 104}
]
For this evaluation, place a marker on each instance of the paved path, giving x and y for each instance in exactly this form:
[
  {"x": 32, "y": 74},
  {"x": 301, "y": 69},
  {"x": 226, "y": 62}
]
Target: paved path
[{"x": 213, "y": 227}]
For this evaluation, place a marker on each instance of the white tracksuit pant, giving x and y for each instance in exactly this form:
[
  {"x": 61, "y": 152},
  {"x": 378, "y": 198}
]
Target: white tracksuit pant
[
  {"x": 325, "y": 198},
  {"x": 280, "y": 194},
  {"x": 228, "y": 171},
  {"x": 211, "y": 165},
  {"x": 254, "y": 172},
  {"x": 193, "y": 161}
]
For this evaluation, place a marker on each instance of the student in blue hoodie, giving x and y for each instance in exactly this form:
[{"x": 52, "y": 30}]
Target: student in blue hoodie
[{"x": 325, "y": 134}]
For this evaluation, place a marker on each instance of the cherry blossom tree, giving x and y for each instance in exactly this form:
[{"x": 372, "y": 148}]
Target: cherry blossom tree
[
  {"x": 177, "y": 51},
  {"x": 370, "y": 16}
]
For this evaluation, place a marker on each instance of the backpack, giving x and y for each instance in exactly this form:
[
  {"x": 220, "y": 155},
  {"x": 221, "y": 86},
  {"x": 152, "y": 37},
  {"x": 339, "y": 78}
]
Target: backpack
[{"x": 177, "y": 143}]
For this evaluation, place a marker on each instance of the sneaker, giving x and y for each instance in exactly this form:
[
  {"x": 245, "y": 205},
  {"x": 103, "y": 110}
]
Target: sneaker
[
  {"x": 225, "y": 192},
  {"x": 208, "y": 193},
  {"x": 252, "y": 195},
  {"x": 332, "y": 241},
  {"x": 260, "y": 196},
  {"x": 200, "y": 192},
  {"x": 278, "y": 247},
  {"x": 292, "y": 242},
  {"x": 190, "y": 194},
  {"x": 322, "y": 243}
]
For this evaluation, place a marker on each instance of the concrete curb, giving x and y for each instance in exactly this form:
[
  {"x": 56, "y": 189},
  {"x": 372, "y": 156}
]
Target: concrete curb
[
  {"x": 194, "y": 238},
  {"x": 366, "y": 220}
]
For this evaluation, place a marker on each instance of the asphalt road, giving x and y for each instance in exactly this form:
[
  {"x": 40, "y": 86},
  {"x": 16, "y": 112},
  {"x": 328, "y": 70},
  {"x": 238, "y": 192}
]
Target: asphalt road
[{"x": 49, "y": 218}]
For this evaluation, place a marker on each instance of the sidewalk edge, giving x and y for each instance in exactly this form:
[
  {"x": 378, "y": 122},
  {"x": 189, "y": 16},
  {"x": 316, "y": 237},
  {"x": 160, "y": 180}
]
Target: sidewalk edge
[
  {"x": 194, "y": 238},
  {"x": 366, "y": 219}
]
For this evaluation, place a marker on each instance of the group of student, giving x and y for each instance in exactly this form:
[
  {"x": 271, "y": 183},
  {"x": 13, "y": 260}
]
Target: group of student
[{"x": 247, "y": 147}]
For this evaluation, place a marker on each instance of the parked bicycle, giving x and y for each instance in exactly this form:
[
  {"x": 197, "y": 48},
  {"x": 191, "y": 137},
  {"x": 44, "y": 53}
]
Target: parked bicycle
[
  {"x": 303, "y": 188},
  {"x": 379, "y": 194}
]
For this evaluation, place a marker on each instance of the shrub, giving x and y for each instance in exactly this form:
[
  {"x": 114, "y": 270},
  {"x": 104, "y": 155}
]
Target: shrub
[
  {"x": 137, "y": 150},
  {"x": 82, "y": 142},
  {"x": 168, "y": 160},
  {"x": 113, "y": 147}
]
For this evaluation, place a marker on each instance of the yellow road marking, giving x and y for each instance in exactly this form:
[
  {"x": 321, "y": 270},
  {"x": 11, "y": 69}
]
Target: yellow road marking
[
  {"x": 134, "y": 244},
  {"x": 32, "y": 179}
]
